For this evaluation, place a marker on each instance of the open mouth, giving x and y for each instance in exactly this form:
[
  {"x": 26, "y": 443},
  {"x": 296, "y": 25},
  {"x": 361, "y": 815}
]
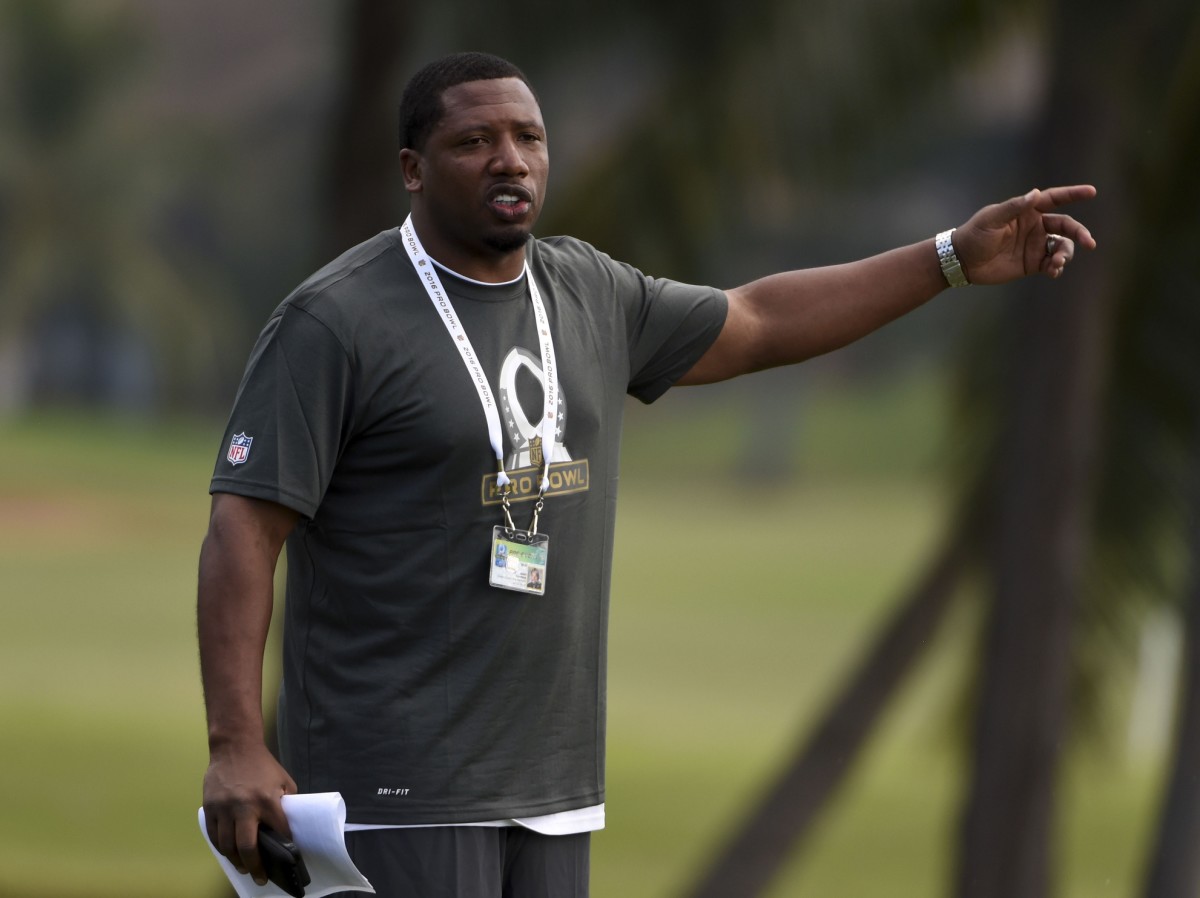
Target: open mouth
[{"x": 510, "y": 202}]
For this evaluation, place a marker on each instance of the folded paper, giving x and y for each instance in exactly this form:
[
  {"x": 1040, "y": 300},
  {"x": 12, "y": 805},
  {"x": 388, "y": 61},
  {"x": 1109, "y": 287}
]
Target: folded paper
[{"x": 318, "y": 824}]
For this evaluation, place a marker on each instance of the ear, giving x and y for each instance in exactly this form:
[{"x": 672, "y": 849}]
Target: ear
[{"x": 410, "y": 167}]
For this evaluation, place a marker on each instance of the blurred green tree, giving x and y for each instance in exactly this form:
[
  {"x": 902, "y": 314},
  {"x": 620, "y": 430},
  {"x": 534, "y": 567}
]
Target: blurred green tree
[
  {"x": 1079, "y": 415},
  {"x": 1091, "y": 443},
  {"x": 1150, "y": 513},
  {"x": 83, "y": 244}
]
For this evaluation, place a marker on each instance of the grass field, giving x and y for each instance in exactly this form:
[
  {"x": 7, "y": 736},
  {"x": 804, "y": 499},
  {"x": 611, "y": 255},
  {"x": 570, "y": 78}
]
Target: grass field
[{"x": 735, "y": 612}]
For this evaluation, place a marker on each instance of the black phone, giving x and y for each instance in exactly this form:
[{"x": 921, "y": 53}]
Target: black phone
[{"x": 282, "y": 862}]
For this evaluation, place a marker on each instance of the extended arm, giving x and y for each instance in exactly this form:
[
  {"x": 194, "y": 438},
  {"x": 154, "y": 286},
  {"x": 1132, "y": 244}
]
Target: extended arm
[
  {"x": 793, "y": 316},
  {"x": 244, "y": 783}
]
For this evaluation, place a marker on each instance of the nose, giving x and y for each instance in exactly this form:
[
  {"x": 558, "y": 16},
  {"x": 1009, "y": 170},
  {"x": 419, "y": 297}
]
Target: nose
[{"x": 508, "y": 159}]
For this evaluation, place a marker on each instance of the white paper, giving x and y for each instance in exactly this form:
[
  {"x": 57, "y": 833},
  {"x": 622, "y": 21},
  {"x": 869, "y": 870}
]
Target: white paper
[{"x": 317, "y": 821}]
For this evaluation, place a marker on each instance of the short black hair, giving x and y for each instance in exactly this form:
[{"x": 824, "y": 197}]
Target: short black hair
[{"x": 421, "y": 106}]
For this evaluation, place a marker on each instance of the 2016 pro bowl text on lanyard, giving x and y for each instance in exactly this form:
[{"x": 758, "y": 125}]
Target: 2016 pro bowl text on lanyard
[{"x": 518, "y": 558}]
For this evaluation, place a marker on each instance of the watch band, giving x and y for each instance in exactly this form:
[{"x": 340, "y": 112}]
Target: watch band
[{"x": 948, "y": 259}]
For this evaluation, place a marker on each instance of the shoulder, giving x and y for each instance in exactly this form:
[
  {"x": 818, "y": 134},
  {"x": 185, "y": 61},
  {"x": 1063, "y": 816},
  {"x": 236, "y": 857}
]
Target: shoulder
[
  {"x": 575, "y": 261},
  {"x": 373, "y": 264},
  {"x": 354, "y": 287},
  {"x": 567, "y": 250}
]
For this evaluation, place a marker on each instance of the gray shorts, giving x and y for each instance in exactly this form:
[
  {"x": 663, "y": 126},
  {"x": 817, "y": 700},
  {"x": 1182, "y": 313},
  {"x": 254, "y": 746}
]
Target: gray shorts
[{"x": 470, "y": 862}]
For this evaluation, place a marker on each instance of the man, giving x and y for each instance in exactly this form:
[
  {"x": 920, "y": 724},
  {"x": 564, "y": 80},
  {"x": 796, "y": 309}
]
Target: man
[{"x": 431, "y": 423}]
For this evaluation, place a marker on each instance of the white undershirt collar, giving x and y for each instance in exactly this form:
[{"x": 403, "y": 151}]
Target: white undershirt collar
[{"x": 463, "y": 277}]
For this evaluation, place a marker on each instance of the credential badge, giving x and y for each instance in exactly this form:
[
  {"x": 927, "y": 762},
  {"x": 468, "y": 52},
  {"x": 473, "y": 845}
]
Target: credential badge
[{"x": 239, "y": 449}]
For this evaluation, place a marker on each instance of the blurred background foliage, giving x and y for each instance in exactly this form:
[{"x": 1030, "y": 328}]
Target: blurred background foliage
[{"x": 1025, "y": 456}]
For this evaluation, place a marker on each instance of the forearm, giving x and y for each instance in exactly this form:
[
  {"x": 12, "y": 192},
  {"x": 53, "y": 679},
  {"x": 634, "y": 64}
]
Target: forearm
[
  {"x": 233, "y": 615},
  {"x": 803, "y": 314},
  {"x": 796, "y": 315}
]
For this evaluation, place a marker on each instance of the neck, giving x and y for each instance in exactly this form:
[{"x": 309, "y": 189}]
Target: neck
[{"x": 478, "y": 263}]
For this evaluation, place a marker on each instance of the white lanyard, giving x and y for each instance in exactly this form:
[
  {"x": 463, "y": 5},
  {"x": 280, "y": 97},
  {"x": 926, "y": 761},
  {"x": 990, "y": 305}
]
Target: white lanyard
[{"x": 427, "y": 272}]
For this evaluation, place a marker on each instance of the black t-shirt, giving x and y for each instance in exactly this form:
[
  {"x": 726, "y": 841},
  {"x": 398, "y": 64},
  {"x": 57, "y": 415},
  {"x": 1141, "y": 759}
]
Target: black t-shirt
[{"x": 411, "y": 686}]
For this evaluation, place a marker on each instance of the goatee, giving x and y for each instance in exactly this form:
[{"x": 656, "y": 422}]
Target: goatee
[{"x": 506, "y": 243}]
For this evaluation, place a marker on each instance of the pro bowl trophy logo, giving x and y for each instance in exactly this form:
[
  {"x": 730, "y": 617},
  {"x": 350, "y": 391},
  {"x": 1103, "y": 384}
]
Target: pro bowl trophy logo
[
  {"x": 239, "y": 449},
  {"x": 523, "y": 436}
]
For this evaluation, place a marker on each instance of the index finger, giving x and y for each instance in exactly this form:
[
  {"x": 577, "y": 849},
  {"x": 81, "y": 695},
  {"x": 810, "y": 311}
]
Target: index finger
[
  {"x": 1052, "y": 197},
  {"x": 247, "y": 848}
]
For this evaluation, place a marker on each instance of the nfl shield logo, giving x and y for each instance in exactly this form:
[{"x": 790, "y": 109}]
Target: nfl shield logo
[{"x": 239, "y": 449}]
